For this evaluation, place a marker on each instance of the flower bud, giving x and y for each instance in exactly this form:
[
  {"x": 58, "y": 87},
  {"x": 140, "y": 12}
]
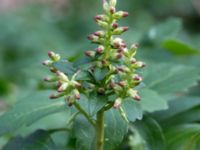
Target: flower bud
[
  {"x": 62, "y": 76},
  {"x": 101, "y": 90},
  {"x": 133, "y": 60},
  {"x": 112, "y": 10},
  {"x": 106, "y": 6},
  {"x": 123, "y": 69},
  {"x": 102, "y": 24},
  {"x": 120, "y": 30},
  {"x": 100, "y": 33},
  {"x": 53, "y": 56},
  {"x": 122, "y": 83},
  {"x": 47, "y": 63},
  {"x": 50, "y": 79},
  {"x": 137, "y": 78},
  {"x": 117, "y": 103},
  {"x": 114, "y": 25},
  {"x": 76, "y": 94},
  {"x": 101, "y": 17},
  {"x": 120, "y": 14},
  {"x": 75, "y": 84},
  {"x": 90, "y": 54},
  {"x": 70, "y": 100},
  {"x": 134, "y": 94},
  {"x": 63, "y": 87},
  {"x": 139, "y": 64},
  {"x": 113, "y": 3},
  {"x": 104, "y": 61},
  {"x": 100, "y": 49},
  {"x": 117, "y": 42},
  {"x": 53, "y": 70},
  {"x": 93, "y": 38},
  {"x": 55, "y": 96}
]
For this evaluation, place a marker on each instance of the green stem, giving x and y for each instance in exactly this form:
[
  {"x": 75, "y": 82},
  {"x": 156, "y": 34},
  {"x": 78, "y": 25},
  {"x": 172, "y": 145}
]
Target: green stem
[
  {"x": 82, "y": 111},
  {"x": 100, "y": 130}
]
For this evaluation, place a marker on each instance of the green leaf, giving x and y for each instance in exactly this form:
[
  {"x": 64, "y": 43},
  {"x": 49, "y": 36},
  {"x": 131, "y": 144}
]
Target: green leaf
[
  {"x": 29, "y": 110},
  {"x": 166, "y": 29},
  {"x": 99, "y": 73},
  {"x": 179, "y": 48},
  {"x": 84, "y": 133},
  {"x": 132, "y": 110},
  {"x": 65, "y": 66},
  {"x": 178, "y": 106},
  {"x": 39, "y": 140},
  {"x": 151, "y": 101},
  {"x": 83, "y": 76},
  {"x": 93, "y": 103},
  {"x": 151, "y": 133},
  {"x": 115, "y": 129},
  {"x": 171, "y": 78},
  {"x": 182, "y": 136}
]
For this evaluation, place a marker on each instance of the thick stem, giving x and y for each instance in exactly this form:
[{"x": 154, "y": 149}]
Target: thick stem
[{"x": 100, "y": 130}]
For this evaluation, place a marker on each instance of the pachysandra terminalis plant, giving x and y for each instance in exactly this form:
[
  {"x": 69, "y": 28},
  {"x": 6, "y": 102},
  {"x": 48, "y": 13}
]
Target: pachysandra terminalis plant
[{"x": 109, "y": 70}]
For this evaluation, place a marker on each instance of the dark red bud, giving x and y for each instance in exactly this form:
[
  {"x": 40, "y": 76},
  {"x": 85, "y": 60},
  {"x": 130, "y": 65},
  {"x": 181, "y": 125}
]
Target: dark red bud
[
  {"x": 96, "y": 18},
  {"x": 115, "y": 25},
  {"x": 99, "y": 50},
  {"x": 122, "y": 83},
  {"x": 125, "y": 28},
  {"x": 137, "y": 98},
  {"x": 50, "y": 53},
  {"x": 53, "y": 70},
  {"x": 125, "y": 14},
  {"x": 112, "y": 10},
  {"x": 104, "y": 62}
]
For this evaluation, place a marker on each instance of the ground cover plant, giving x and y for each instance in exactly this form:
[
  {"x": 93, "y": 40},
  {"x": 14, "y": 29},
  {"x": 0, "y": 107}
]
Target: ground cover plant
[{"x": 106, "y": 98}]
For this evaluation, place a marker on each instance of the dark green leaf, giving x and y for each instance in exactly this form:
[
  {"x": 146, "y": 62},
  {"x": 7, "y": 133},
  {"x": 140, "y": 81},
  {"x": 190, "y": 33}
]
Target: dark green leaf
[
  {"x": 170, "y": 78},
  {"x": 84, "y": 133},
  {"x": 65, "y": 66},
  {"x": 151, "y": 101},
  {"x": 151, "y": 133},
  {"x": 179, "y": 48},
  {"x": 29, "y": 110},
  {"x": 132, "y": 110},
  {"x": 115, "y": 129},
  {"x": 39, "y": 140},
  {"x": 99, "y": 73}
]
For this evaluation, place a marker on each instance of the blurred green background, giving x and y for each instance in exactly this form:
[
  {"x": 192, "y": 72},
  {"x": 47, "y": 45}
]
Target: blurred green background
[{"x": 168, "y": 32}]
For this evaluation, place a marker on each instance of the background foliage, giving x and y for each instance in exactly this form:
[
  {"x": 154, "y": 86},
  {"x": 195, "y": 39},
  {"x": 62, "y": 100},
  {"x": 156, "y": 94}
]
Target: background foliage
[{"x": 169, "y": 35}]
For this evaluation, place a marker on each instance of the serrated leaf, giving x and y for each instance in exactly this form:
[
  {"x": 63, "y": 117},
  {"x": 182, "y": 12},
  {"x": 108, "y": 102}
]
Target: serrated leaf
[
  {"x": 29, "y": 110},
  {"x": 65, "y": 67},
  {"x": 84, "y": 133},
  {"x": 151, "y": 101},
  {"x": 115, "y": 129},
  {"x": 151, "y": 132},
  {"x": 39, "y": 140},
  {"x": 179, "y": 48},
  {"x": 169, "y": 79},
  {"x": 132, "y": 110},
  {"x": 93, "y": 103}
]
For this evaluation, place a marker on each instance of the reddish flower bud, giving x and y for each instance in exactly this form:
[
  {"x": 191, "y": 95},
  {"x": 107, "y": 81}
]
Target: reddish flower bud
[
  {"x": 53, "y": 70},
  {"x": 100, "y": 49},
  {"x": 125, "y": 14},
  {"x": 112, "y": 10},
  {"x": 137, "y": 97},
  {"x": 133, "y": 60},
  {"x": 122, "y": 83},
  {"x": 104, "y": 62},
  {"x": 115, "y": 25},
  {"x": 90, "y": 53},
  {"x": 117, "y": 103},
  {"x": 137, "y": 78}
]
